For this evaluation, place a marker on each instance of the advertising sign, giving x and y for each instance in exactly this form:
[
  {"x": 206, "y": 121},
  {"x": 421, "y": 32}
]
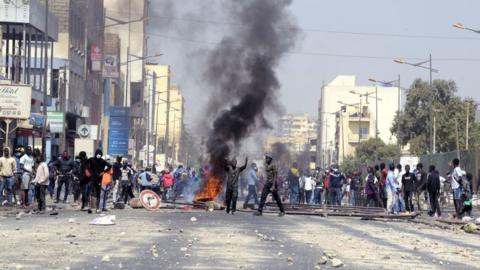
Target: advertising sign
[
  {"x": 15, "y": 101},
  {"x": 110, "y": 66},
  {"x": 119, "y": 131},
  {"x": 55, "y": 122},
  {"x": 96, "y": 58},
  {"x": 86, "y": 145}
]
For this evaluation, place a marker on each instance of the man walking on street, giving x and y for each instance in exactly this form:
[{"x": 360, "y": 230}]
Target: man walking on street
[
  {"x": 252, "y": 185},
  {"x": 433, "y": 188},
  {"x": 391, "y": 190},
  {"x": 8, "y": 167},
  {"x": 270, "y": 187},
  {"x": 420, "y": 186},
  {"x": 231, "y": 194},
  {"x": 408, "y": 185}
]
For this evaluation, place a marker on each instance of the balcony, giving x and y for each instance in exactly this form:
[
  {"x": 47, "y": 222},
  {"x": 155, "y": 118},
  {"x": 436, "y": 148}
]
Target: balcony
[
  {"x": 353, "y": 138},
  {"x": 355, "y": 117}
]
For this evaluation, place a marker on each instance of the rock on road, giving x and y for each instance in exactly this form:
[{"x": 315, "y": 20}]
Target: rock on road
[{"x": 169, "y": 239}]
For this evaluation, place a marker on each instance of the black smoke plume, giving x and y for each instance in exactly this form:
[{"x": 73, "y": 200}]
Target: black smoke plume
[{"x": 242, "y": 71}]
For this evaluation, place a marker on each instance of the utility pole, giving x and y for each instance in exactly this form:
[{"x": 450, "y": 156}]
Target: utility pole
[
  {"x": 63, "y": 100},
  {"x": 399, "y": 150},
  {"x": 360, "y": 121},
  {"x": 431, "y": 105},
  {"x": 456, "y": 136},
  {"x": 153, "y": 124},
  {"x": 467, "y": 125},
  {"x": 45, "y": 85},
  {"x": 376, "y": 124},
  {"x": 167, "y": 127}
]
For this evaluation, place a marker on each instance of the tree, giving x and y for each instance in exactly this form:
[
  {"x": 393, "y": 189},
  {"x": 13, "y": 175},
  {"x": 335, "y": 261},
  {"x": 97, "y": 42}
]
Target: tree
[
  {"x": 415, "y": 124},
  {"x": 365, "y": 154}
]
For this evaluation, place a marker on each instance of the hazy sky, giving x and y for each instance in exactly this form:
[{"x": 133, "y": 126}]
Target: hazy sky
[{"x": 380, "y": 30}]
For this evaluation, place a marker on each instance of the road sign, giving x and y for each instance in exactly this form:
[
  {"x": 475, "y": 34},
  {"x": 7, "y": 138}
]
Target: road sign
[
  {"x": 84, "y": 131},
  {"x": 150, "y": 200}
]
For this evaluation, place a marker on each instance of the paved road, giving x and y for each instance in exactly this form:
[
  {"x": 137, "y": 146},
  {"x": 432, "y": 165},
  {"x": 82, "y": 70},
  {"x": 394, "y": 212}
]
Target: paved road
[{"x": 168, "y": 239}]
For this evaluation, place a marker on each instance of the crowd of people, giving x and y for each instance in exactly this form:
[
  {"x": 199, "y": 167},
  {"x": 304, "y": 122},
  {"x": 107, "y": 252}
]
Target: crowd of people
[
  {"x": 96, "y": 184},
  {"x": 395, "y": 188}
]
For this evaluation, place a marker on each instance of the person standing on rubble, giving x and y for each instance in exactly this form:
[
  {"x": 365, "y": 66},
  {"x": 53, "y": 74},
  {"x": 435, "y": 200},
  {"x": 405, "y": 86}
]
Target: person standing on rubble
[
  {"x": 270, "y": 187},
  {"x": 232, "y": 175}
]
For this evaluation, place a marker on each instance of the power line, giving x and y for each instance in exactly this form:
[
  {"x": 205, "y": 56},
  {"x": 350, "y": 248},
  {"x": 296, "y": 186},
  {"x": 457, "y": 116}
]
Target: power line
[{"x": 312, "y": 30}]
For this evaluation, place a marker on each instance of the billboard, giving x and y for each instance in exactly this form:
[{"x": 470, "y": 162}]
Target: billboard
[
  {"x": 96, "y": 58},
  {"x": 119, "y": 131},
  {"x": 111, "y": 66},
  {"x": 55, "y": 122},
  {"x": 15, "y": 101}
]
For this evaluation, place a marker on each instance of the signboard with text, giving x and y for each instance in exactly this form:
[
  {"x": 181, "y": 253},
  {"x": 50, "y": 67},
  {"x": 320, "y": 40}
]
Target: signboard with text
[
  {"x": 96, "y": 58},
  {"x": 119, "y": 131},
  {"x": 55, "y": 122},
  {"x": 111, "y": 66},
  {"x": 15, "y": 101}
]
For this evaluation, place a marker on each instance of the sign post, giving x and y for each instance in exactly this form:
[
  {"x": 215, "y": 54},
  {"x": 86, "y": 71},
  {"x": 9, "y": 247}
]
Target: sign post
[{"x": 15, "y": 103}]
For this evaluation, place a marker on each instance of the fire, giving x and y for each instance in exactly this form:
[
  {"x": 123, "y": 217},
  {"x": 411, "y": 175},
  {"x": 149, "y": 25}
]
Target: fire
[{"x": 210, "y": 190}]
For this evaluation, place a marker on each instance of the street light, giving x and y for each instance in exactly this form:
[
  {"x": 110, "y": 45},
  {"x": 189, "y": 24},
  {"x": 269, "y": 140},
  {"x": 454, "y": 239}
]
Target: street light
[
  {"x": 462, "y": 27},
  {"x": 431, "y": 70},
  {"x": 366, "y": 95},
  {"x": 397, "y": 84}
]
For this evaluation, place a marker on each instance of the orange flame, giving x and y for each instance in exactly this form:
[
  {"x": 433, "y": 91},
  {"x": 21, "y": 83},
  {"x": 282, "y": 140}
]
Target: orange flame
[{"x": 210, "y": 190}]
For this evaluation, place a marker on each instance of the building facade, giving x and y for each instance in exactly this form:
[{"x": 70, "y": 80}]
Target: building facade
[{"x": 349, "y": 114}]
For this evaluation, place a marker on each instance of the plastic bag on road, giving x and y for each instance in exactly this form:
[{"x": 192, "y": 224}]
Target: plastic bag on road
[{"x": 105, "y": 220}]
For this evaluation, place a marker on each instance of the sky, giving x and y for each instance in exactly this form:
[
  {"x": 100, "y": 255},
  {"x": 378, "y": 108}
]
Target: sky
[{"x": 372, "y": 34}]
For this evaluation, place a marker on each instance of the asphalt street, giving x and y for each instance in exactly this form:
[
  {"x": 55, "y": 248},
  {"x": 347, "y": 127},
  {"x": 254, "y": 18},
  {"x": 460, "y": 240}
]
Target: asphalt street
[{"x": 178, "y": 239}]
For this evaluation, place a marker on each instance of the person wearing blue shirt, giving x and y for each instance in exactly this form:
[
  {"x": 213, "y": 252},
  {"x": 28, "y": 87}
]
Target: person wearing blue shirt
[
  {"x": 252, "y": 180},
  {"x": 392, "y": 188}
]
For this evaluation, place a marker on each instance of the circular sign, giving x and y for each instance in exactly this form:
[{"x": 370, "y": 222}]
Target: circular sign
[
  {"x": 83, "y": 130},
  {"x": 150, "y": 200}
]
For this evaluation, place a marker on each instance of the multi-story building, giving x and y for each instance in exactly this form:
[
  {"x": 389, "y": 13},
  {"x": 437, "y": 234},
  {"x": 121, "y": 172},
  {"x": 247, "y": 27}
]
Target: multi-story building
[
  {"x": 168, "y": 123},
  {"x": 81, "y": 30},
  {"x": 23, "y": 61},
  {"x": 348, "y": 114}
]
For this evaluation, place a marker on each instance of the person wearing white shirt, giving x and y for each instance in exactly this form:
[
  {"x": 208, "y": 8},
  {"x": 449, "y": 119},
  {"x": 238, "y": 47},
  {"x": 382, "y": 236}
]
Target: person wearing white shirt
[
  {"x": 41, "y": 182},
  {"x": 399, "y": 204},
  {"x": 26, "y": 165},
  {"x": 457, "y": 175},
  {"x": 309, "y": 185}
]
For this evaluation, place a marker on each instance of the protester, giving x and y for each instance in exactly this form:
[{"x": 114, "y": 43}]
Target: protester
[
  {"x": 8, "y": 167},
  {"x": 167, "y": 182},
  {"x": 41, "y": 183},
  {"x": 85, "y": 172},
  {"x": 301, "y": 188},
  {"x": 392, "y": 189},
  {"x": 116, "y": 175},
  {"x": 270, "y": 187},
  {"x": 382, "y": 185},
  {"x": 26, "y": 164},
  {"x": 399, "y": 203},
  {"x": 293, "y": 178},
  {"x": 466, "y": 205},
  {"x": 355, "y": 185},
  {"x": 53, "y": 174},
  {"x": 98, "y": 167},
  {"x": 65, "y": 167},
  {"x": 317, "y": 196},
  {"x": 231, "y": 193},
  {"x": 126, "y": 183},
  {"x": 107, "y": 182},
  {"x": 336, "y": 182},
  {"x": 370, "y": 188},
  {"x": 408, "y": 185},
  {"x": 420, "y": 186},
  {"x": 433, "y": 188},
  {"x": 252, "y": 179},
  {"x": 456, "y": 177},
  {"x": 326, "y": 185},
  {"x": 309, "y": 186},
  {"x": 145, "y": 180}
]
